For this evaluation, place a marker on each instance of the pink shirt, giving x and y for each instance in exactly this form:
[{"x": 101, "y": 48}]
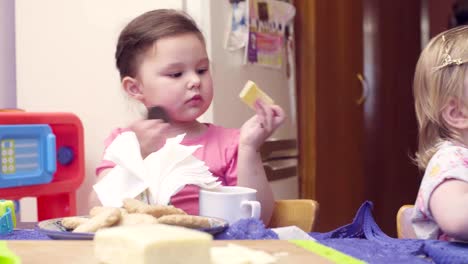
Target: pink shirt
[{"x": 218, "y": 151}]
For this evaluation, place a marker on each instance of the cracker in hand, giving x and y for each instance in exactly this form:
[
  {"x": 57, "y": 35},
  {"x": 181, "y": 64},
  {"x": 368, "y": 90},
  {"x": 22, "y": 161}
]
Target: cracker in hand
[{"x": 251, "y": 93}]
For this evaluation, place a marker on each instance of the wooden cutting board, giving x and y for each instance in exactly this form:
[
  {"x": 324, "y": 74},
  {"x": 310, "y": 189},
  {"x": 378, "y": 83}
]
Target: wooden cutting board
[{"x": 80, "y": 252}]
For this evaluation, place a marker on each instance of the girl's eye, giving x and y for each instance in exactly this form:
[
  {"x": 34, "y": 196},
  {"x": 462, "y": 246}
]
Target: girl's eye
[
  {"x": 202, "y": 71},
  {"x": 175, "y": 75}
]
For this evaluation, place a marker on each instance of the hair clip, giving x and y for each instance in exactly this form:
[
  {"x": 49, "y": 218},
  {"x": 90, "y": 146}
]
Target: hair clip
[{"x": 448, "y": 60}]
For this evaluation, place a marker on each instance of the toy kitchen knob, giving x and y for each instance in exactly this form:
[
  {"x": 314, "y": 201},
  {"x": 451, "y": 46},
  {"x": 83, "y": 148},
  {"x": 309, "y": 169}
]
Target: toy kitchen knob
[{"x": 65, "y": 155}]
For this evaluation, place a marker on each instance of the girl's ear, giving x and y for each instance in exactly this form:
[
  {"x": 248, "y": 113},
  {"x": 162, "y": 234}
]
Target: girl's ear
[
  {"x": 132, "y": 87},
  {"x": 455, "y": 114}
]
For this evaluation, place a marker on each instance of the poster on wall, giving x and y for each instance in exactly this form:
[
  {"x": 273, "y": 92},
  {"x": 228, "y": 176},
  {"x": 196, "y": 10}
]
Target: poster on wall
[{"x": 266, "y": 35}]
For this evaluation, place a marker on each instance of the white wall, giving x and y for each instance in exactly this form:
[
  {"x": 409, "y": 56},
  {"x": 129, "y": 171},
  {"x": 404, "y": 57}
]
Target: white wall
[
  {"x": 230, "y": 76},
  {"x": 198, "y": 10},
  {"x": 7, "y": 54},
  {"x": 65, "y": 62}
]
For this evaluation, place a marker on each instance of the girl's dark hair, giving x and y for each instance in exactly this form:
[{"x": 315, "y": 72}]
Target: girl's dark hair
[{"x": 143, "y": 31}]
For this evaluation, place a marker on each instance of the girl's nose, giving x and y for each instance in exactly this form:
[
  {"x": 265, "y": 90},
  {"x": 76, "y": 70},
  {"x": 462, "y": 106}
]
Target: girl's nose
[{"x": 194, "y": 81}]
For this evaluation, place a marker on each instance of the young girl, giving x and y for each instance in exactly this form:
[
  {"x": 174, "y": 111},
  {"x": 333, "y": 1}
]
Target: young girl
[
  {"x": 441, "y": 96},
  {"x": 162, "y": 60}
]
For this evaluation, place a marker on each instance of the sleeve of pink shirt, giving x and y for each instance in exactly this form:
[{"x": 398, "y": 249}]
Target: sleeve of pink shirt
[{"x": 107, "y": 164}]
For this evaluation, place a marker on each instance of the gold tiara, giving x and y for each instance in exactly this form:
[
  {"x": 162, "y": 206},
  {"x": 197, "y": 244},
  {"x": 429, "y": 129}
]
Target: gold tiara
[{"x": 448, "y": 60}]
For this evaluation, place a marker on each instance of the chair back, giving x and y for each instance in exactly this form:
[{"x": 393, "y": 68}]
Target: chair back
[
  {"x": 299, "y": 212},
  {"x": 404, "y": 226}
]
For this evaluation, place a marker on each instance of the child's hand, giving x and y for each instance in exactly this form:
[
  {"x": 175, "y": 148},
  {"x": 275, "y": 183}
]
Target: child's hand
[
  {"x": 258, "y": 128},
  {"x": 151, "y": 135}
]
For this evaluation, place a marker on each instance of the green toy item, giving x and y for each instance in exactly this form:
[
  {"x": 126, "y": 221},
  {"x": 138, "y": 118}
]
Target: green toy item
[
  {"x": 7, "y": 217},
  {"x": 7, "y": 256},
  {"x": 329, "y": 253}
]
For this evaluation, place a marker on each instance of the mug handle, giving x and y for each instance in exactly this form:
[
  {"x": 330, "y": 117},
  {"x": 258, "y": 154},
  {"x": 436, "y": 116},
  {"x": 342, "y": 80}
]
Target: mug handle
[{"x": 255, "y": 208}]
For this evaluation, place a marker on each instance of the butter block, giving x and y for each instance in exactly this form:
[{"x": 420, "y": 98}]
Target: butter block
[
  {"x": 251, "y": 92},
  {"x": 155, "y": 244}
]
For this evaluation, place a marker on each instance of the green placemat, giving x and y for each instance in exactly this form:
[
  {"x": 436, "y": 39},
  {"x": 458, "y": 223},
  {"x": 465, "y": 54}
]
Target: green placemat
[{"x": 327, "y": 252}]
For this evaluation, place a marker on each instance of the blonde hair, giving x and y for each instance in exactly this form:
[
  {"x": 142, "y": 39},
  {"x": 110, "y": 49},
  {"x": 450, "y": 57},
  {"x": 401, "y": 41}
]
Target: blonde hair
[{"x": 439, "y": 76}]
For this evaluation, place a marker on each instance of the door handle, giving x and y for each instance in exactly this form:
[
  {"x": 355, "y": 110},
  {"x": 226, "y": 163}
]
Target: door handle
[{"x": 365, "y": 89}]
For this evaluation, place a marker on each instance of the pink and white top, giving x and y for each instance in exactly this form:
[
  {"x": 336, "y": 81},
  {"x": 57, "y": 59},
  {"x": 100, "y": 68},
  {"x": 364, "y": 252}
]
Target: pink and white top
[{"x": 449, "y": 162}]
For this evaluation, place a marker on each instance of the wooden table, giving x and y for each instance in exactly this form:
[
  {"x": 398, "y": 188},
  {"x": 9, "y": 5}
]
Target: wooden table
[{"x": 80, "y": 252}]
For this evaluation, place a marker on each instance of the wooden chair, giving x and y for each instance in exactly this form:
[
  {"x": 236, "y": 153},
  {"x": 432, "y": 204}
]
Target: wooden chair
[
  {"x": 404, "y": 227},
  {"x": 300, "y": 212}
]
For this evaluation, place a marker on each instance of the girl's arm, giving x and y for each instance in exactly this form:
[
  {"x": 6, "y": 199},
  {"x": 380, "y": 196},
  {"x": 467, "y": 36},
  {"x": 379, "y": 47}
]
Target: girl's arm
[
  {"x": 250, "y": 173},
  {"x": 449, "y": 206}
]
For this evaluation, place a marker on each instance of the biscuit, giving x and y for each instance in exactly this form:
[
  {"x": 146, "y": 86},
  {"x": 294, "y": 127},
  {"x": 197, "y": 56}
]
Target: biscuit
[
  {"x": 136, "y": 206},
  {"x": 137, "y": 219},
  {"x": 190, "y": 221},
  {"x": 106, "y": 218},
  {"x": 98, "y": 209},
  {"x": 73, "y": 222}
]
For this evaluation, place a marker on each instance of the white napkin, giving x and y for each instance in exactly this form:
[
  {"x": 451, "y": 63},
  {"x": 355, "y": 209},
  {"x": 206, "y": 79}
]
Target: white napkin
[
  {"x": 291, "y": 232},
  {"x": 163, "y": 173}
]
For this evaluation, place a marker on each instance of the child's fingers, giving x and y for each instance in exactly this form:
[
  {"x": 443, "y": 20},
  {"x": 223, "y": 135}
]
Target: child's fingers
[
  {"x": 144, "y": 125},
  {"x": 154, "y": 123},
  {"x": 278, "y": 115},
  {"x": 260, "y": 120},
  {"x": 158, "y": 133},
  {"x": 261, "y": 113},
  {"x": 152, "y": 129},
  {"x": 268, "y": 117},
  {"x": 272, "y": 112},
  {"x": 157, "y": 125}
]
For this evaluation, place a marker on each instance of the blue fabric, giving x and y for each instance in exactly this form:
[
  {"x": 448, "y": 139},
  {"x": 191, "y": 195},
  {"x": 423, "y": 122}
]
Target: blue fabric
[
  {"x": 364, "y": 239},
  {"x": 250, "y": 229},
  {"x": 442, "y": 252},
  {"x": 25, "y": 234}
]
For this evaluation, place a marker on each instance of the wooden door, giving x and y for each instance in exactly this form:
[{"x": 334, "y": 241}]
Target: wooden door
[
  {"x": 329, "y": 57},
  {"x": 350, "y": 153},
  {"x": 392, "y": 43}
]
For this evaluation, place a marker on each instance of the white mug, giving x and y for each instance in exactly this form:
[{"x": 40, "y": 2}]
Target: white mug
[{"x": 230, "y": 203}]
